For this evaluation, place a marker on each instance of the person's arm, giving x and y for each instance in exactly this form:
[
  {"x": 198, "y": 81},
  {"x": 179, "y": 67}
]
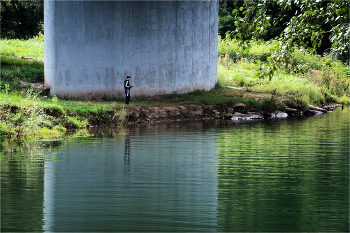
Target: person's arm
[{"x": 127, "y": 84}]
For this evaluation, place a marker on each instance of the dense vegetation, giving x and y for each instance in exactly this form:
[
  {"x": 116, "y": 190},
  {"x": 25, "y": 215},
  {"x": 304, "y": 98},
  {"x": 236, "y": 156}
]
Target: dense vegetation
[
  {"x": 309, "y": 76},
  {"x": 310, "y": 79},
  {"x": 21, "y": 19},
  {"x": 253, "y": 57},
  {"x": 321, "y": 25}
]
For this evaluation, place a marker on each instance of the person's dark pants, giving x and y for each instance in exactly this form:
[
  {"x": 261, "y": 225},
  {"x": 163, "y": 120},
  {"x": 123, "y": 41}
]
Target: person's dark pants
[{"x": 127, "y": 96}]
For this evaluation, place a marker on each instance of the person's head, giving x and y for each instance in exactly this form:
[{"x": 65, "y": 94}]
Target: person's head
[{"x": 128, "y": 77}]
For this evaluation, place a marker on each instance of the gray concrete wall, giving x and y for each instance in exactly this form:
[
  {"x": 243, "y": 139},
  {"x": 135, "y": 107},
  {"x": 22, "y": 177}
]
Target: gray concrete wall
[{"x": 165, "y": 46}]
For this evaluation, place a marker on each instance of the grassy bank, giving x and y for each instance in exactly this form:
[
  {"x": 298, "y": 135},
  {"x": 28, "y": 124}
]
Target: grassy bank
[
  {"x": 310, "y": 77},
  {"x": 23, "y": 48},
  {"x": 33, "y": 115},
  {"x": 26, "y": 113}
]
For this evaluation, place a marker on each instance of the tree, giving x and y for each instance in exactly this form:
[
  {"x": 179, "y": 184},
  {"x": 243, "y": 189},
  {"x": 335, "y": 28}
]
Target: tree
[
  {"x": 227, "y": 19},
  {"x": 313, "y": 22},
  {"x": 21, "y": 19}
]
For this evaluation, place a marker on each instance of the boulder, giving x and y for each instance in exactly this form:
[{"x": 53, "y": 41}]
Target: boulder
[
  {"x": 238, "y": 114},
  {"x": 291, "y": 110},
  {"x": 312, "y": 112},
  {"x": 317, "y": 109},
  {"x": 239, "y": 105}
]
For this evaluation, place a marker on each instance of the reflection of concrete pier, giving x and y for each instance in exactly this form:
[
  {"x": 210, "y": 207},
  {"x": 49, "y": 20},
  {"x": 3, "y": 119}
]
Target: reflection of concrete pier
[
  {"x": 165, "y": 46},
  {"x": 170, "y": 185},
  {"x": 127, "y": 154},
  {"x": 49, "y": 195}
]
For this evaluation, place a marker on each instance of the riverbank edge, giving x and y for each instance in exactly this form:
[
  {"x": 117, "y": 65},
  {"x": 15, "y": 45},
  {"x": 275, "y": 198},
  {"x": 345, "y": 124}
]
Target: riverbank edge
[
  {"x": 185, "y": 112},
  {"x": 174, "y": 112},
  {"x": 182, "y": 112},
  {"x": 237, "y": 112}
]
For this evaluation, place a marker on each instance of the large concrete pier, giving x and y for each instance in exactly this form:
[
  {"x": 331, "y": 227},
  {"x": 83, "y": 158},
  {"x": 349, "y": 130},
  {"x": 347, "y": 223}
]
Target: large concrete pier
[{"x": 165, "y": 46}]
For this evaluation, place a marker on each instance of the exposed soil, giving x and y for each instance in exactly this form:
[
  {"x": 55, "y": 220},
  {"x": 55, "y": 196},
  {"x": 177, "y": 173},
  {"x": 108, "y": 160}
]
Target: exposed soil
[{"x": 178, "y": 112}]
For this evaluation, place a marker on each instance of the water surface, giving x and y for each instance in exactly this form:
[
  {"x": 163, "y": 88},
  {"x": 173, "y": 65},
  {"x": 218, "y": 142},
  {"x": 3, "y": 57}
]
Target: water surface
[{"x": 275, "y": 175}]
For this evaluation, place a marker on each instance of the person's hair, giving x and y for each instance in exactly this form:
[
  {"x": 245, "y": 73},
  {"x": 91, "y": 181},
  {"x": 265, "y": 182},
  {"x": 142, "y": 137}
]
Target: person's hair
[{"x": 128, "y": 77}]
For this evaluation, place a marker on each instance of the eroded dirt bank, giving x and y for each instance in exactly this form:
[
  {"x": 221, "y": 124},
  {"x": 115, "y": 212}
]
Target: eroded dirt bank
[{"x": 208, "y": 112}]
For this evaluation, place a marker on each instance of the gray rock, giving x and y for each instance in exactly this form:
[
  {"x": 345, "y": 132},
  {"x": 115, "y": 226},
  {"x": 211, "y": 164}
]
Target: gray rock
[
  {"x": 229, "y": 110},
  {"x": 239, "y": 105}
]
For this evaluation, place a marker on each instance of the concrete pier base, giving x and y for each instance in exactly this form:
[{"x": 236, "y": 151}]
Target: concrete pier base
[{"x": 165, "y": 46}]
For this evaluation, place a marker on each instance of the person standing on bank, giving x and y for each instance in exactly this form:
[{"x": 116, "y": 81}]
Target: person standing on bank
[{"x": 127, "y": 87}]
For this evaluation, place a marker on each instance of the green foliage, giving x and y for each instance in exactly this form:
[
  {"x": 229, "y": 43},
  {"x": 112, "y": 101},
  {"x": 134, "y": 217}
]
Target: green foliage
[
  {"x": 254, "y": 50},
  {"x": 240, "y": 74},
  {"x": 21, "y": 19},
  {"x": 260, "y": 51},
  {"x": 15, "y": 70},
  {"x": 54, "y": 99},
  {"x": 71, "y": 122},
  {"x": 303, "y": 60},
  {"x": 307, "y": 27},
  {"x": 345, "y": 100},
  {"x": 272, "y": 104},
  {"x": 13, "y": 61},
  {"x": 25, "y": 120},
  {"x": 298, "y": 104},
  {"x": 24, "y": 73},
  {"x": 293, "y": 79},
  {"x": 121, "y": 116},
  {"x": 294, "y": 86},
  {"x": 23, "y": 48},
  {"x": 309, "y": 22}
]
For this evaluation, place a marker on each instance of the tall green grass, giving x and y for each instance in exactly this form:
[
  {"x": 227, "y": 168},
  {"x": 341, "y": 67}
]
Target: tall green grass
[
  {"x": 23, "y": 48},
  {"x": 14, "y": 70},
  {"x": 258, "y": 50},
  {"x": 261, "y": 50},
  {"x": 237, "y": 68}
]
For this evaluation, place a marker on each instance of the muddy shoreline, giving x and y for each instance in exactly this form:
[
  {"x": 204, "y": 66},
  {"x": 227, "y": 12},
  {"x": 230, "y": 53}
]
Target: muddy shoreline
[{"x": 238, "y": 112}]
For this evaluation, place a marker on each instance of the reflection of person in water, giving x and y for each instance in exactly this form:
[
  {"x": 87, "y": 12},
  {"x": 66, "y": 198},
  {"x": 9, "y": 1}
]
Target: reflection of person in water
[{"x": 127, "y": 151}]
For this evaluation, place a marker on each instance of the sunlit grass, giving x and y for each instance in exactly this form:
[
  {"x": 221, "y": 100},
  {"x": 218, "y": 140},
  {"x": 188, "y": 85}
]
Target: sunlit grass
[
  {"x": 237, "y": 74},
  {"x": 292, "y": 86},
  {"x": 23, "y": 48},
  {"x": 283, "y": 84}
]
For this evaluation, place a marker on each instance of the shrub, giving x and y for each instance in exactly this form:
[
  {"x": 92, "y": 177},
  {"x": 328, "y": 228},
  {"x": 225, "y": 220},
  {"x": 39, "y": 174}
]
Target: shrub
[
  {"x": 121, "y": 116},
  {"x": 25, "y": 73},
  {"x": 26, "y": 120},
  {"x": 344, "y": 100},
  {"x": 74, "y": 122},
  {"x": 303, "y": 59},
  {"x": 271, "y": 104}
]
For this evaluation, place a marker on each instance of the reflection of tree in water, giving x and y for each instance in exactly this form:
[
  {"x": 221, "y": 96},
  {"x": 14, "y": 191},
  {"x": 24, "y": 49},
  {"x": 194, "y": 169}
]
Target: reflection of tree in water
[
  {"x": 276, "y": 174},
  {"x": 127, "y": 153}
]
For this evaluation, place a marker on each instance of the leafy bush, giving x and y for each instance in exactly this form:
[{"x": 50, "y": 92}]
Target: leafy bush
[
  {"x": 344, "y": 100},
  {"x": 299, "y": 104},
  {"x": 301, "y": 59},
  {"x": 24, "y": 73},
  {"x": 74, "y": 122},
  {"x": 271, "y": 104},
  {"x": 26, "y": 120}
]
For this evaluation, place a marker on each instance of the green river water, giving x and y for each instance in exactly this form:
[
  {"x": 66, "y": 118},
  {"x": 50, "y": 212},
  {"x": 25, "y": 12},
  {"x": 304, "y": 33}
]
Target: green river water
[{"x": 278, "y": 175}]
